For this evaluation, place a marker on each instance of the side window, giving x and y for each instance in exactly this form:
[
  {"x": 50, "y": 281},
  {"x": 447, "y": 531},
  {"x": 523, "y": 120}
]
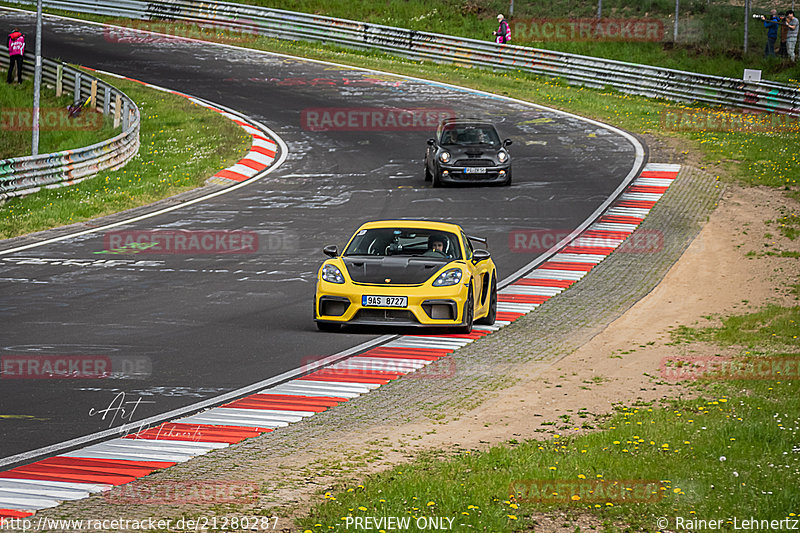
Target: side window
[{"x": 467, "y": 247}]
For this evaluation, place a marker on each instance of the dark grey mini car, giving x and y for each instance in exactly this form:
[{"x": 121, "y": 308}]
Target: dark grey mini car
[{"x": 467, "y": 151}]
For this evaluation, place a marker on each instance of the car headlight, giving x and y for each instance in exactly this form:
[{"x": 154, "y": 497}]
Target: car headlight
[
  {"x": 444, "y": 157},
  {"x": 448, "y": 277},
  {"x": 502, "y": 156},
  {"x": 332, "y": 274}
]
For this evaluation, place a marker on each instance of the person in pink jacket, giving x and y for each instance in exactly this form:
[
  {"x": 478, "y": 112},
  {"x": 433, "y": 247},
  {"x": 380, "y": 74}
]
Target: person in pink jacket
[{"x": 16, "y": 49}]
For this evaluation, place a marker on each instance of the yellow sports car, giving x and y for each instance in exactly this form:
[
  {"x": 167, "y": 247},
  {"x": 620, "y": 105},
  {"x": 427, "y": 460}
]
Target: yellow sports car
[{"x": 407, "y": 273}]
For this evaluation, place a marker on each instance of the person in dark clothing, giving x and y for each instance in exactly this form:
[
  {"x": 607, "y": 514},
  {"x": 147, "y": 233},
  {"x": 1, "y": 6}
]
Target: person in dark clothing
[
  {"x": 782, "y": 50},
  {"x": 772, "y": 33},
  {"x": 16, "y": 50},
  {"x": 503, "y": 32}
]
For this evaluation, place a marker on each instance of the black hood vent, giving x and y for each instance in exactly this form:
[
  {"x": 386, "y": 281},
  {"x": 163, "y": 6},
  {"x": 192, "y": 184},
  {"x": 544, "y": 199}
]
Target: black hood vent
[{"x": 400, "y": 270}]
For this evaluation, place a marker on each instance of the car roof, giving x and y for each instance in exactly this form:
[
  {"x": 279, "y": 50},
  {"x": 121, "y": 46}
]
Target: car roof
[{"x": 412, "y": 223}]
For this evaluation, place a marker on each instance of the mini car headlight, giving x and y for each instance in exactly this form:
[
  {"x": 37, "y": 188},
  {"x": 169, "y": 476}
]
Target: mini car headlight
[
  {"x": 332, "y": 274},
  {"x": 502, "y": 156},
  {"x": 448, "y": 277},
  {"x": 444, "y": 157}
]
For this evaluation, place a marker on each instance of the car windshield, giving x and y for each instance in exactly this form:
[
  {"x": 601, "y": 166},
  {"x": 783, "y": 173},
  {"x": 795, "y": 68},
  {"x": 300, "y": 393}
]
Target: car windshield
[
  {"x": 466, "y": 134},
  {"x": 408, "y": 242}
]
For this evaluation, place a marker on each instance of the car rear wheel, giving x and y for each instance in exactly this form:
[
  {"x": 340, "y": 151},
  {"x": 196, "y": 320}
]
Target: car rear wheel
[
  {"x": 491, "y": 316},
  {"x": 469, "y": 312}
]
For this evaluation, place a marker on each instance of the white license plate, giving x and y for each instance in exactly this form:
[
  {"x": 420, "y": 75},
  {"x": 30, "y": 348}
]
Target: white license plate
[
  {"x": 474, "y": 170},
  {"x": 384, "y": 301}
]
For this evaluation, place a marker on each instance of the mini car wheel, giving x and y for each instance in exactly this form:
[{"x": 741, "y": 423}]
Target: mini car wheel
[
  {"x": 428, "y": 175},
  {"x": 327, "y": 326},
  {"x": 491, "y": 316},
  {"x": 437, "y": 182},
  {"x": 469, "y": 311}
]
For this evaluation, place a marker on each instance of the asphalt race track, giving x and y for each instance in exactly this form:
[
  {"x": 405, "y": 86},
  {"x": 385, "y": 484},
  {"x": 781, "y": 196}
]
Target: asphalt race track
[{"x": 207, "y": 324}]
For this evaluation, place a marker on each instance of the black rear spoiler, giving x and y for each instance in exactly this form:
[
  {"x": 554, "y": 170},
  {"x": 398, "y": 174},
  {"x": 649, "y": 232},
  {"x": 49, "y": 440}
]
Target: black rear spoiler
[{"x": 481, "y": 240}]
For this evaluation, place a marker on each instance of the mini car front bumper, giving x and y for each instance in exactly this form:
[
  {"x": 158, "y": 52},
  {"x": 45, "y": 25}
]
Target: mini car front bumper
[{"x": 459, "y": 174}]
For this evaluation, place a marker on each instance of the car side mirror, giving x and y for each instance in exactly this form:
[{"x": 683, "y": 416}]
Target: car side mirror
[
  {"x": 480, "y": 255},
  {"x": 507, "y": 142},
  {"x": 331, "y": 250},
  {"x": 431, "y": 142}
]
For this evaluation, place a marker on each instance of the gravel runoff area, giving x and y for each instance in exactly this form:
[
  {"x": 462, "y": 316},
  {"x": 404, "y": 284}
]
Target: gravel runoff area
[{"x": 292, "y": 464}]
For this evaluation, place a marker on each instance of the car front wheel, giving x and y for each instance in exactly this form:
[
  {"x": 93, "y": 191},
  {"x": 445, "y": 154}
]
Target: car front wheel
[
  {"x": 491, "y": 316},
  {"x": 469, "y": 312},
  {"x": 437, "y": 181}
]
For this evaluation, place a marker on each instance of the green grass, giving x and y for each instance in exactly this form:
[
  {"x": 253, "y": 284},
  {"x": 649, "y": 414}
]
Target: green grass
[
  {"x": 182, "y": 144},
  {"x": 57, "y": 131},
  {"x": 711, "y": 34},
  {"x": 773, "y": 326},
  {"x": 731, "y": 452}
]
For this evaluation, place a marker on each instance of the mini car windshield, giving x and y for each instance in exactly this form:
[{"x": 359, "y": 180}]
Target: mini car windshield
[
  {"x": 407, "y": 242},
  {"x": 467, "y": 134}
]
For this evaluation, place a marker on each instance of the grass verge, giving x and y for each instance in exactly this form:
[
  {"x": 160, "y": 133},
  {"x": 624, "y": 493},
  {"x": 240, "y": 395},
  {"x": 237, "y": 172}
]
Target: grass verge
[
  {"x": 57, "y": 130},
  {"x": 182, "y": 144},
  {"x": 731, "y": 454}
]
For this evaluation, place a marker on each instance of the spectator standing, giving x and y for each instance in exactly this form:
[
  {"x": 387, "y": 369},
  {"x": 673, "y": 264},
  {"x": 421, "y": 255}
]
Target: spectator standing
[
  {"x": 782, "y": 52},
  {"x": 503, "y": 32},
  {"x": 772, "y": 33},
  {"x": 16, "y": 49},
  {"x": 792, "y": 23}
]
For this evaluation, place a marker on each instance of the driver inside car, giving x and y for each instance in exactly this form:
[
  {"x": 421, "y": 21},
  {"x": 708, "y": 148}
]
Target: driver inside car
[{"x": 436, "y": 246}]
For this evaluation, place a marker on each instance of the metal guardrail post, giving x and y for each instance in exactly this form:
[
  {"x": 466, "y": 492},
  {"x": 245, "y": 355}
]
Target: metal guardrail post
[
  {"x": 117, "y": 111},
  {"x": 93, "y": 94},
  {"x": 76, "y": 98},
  {"x": 125, "y": 115},
  {"x": 59, "y": 80},
  {"x": 106, "y": 99}
]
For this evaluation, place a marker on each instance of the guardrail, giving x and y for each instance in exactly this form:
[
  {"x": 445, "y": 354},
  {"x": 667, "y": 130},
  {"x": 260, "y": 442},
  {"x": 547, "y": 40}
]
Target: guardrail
[
  {"x": 25, "y": 175},
  {"x": 630, "y": 78}
]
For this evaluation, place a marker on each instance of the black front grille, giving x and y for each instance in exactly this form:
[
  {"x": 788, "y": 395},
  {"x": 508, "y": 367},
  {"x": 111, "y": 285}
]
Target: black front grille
[
  {"x": 384, "y": 315},
  {"x": 474, "y": 163}
]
